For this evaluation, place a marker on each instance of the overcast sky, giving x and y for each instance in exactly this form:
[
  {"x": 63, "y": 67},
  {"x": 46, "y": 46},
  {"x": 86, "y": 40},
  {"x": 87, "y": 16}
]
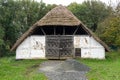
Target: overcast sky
[{"x": 67, "y": 2}]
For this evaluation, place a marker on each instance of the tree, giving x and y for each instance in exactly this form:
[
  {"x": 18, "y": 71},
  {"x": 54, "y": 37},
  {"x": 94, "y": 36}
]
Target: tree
[
  {"x": 2, "y": 33},
  {"x": 90, "y": 12},
  {"x": 6, "y": 17},
  {"x": 16, "y": 16},
  {"x": 109, "y": 29}
]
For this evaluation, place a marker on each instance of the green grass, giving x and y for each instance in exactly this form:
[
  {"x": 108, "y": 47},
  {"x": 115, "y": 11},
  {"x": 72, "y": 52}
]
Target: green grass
[
  {"x": 20, "y": 70},
  {"x": 108, "y": 69}
]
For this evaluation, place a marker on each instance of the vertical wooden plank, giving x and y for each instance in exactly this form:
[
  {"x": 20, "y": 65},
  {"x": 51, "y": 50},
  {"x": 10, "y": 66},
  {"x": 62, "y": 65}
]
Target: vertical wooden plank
[
  {"x": 63, "y": 30},
  {"x": 54, "y": 30}
]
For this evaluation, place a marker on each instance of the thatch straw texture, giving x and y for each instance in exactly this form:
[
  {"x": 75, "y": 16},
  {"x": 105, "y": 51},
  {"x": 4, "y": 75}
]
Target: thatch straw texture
[{"x": 59, "y": 16}]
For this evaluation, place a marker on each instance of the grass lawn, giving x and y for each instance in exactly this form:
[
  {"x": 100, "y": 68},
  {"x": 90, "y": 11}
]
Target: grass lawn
[
  {"x": 20, "y": 70},
  {"x": 108, "y": 69}
]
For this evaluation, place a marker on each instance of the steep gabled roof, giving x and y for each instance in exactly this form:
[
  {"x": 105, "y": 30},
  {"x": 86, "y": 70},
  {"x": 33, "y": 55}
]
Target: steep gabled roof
[{"x": 60, "y": 16}]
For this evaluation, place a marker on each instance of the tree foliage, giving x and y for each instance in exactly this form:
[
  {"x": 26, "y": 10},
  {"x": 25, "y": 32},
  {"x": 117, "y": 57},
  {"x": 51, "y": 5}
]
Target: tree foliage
[
  {"x": 16, "y": 16},
  {"x": 109, "y": 29},
  {"x": 90, "y": 12}
]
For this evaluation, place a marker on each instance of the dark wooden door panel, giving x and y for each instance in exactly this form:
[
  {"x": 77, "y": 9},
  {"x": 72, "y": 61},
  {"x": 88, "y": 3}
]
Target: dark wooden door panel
[
  {"x": 59, "y": 47},
  {"x": 66, "y": 46},
  {"x": 78, "y": 52},
  {"x": 52, "y": 47}
]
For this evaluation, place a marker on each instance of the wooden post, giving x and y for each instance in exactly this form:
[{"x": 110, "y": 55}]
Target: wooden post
[
  {"x": 63, "y": 30},
  {"x": 54, "y": 31}
]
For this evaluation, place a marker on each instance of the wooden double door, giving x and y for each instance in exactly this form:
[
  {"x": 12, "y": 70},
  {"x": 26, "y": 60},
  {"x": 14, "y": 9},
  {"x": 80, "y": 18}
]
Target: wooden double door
[{"x": 59, "y": 47}]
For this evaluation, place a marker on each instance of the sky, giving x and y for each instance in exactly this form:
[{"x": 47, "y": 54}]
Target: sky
[{"x": 67, "y": 2}]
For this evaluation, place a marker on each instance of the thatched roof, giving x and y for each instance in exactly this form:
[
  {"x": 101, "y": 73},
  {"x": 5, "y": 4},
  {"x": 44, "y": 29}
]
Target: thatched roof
[{"x": 61, "y": 16}]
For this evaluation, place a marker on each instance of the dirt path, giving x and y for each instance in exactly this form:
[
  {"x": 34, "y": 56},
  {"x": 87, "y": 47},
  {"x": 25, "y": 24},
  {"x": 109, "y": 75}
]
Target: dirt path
[{"x": 64, "y": 70}]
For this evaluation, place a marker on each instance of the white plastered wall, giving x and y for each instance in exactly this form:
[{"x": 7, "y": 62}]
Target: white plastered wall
[
  {"x": 90, "y": 48},
  {"x": 32, "y": 47}
]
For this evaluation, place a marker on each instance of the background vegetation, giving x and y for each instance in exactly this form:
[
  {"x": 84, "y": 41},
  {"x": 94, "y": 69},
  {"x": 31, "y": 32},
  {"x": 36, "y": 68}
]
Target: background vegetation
[{"x": 16, "y": 16}]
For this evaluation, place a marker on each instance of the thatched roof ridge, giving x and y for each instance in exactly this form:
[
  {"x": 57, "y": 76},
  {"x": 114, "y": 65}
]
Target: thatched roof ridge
[{"x": 57, "y": 16}]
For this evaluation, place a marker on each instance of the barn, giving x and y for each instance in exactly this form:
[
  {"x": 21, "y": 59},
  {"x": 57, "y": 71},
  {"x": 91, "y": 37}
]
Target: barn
[{"x": 59, "y": 35}]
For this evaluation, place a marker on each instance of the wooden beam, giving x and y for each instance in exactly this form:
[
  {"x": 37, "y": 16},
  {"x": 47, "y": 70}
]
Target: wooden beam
[
  {"x": 43, "y": 31},
  {"x": 76, "y": 30}
]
